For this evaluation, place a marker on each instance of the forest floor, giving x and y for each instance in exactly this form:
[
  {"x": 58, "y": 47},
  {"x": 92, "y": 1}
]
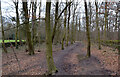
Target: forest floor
[{"x": 70, "y": 61}]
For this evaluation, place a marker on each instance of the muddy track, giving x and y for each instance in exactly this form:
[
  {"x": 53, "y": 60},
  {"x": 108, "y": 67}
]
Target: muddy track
[{"x": 88, "y": 66}]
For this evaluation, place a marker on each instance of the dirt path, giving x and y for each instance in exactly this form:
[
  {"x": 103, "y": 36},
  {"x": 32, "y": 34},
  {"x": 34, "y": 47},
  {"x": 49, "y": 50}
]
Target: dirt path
[{"x": 67, "y": 61}]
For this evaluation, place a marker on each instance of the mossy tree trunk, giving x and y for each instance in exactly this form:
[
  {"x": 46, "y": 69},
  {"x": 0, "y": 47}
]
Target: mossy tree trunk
[
  {"x": 2, "y": 29},
  {"x": 27, "y": 28},
  {"x": 50, "y": 62},
  {"x": 64, "y": 35},
  {"x": 67, "y": 39},
  {"x": 99, "y": 46},
  {"x": 87, "y": 30}
]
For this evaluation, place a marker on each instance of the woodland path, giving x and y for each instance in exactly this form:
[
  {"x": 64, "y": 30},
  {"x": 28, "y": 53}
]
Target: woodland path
[{"x": 67, "y": 62}]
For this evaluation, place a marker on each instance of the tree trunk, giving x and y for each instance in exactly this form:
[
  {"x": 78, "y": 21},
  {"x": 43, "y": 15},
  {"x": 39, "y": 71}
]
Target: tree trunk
[
  {"x": 34, "y": 22},
  {"x": 119, "y": 31},
  {"x": 105, "y": 21},
  {"x": 116, "y": 21},
  {"x": 56, "y": 20},
  {"x": 75, "y": 38},
  {"x": 73, "y": 28},
  {"x": 17, "y": 24},
  {"x": 39, "y": 20},
  {"x": 87, "y": 30},
  {"x": 99, "y": 46},
  {"x": 50, "y": 62},
  {"x": 79, "y": 30},
  {"x": 27, "y": 28},
  {"x": 3, "y": 35},
  {"x": 90, "y": 12},
  {"x": 64, "y": 36},
  {"x": 68, "y": 27}
]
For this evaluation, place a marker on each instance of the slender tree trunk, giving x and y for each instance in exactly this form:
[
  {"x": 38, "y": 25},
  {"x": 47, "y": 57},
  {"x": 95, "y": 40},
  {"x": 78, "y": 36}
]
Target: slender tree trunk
[
  {"x": 72, "y": 32},
  {"x": 64, "y": 36},
  {"x": 27, "y": 28},
  {"x": 75, "y": 39},
  {"x": 119, "y": 32},
  {"x": 90, "y": 12},
  {"x": 49, "y": 56},
  {"x": 39, "y": 20},
  {"x": 68, "y": 26},
  {"x": 79, "y": 30},
  {"x": 34, "y": 22},
  {"x": 118, "y": 8},
  {"x": 90, "y": 17},
  {"x": 32, "y": 34},
  {"x": 17, "y": 24},
  {"x": 105, "y": 20},
  {"x": 2, "y": 29},
  {"x": 116, "y": 20},
  {"x": 87, "y": 30},
  {"x": 56, "y": 15},
  {"x": 99, "y": 46}
]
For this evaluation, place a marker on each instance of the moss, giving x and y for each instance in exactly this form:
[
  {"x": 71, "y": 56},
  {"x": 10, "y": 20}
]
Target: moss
[{"x": 49, "y": 56}]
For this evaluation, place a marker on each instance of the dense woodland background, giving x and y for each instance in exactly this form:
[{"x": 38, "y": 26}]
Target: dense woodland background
[{"x": 60, "y": 24}]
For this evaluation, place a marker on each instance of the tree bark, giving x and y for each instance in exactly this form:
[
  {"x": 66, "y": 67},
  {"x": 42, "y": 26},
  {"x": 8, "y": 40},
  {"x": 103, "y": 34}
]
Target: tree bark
[
  {"x": 56, "y": 20},
  {"x": 68, "y": 27},
  {"x": 99, "y": 46},
  {"x": 75, "y": 38},
  {"x": 79, "y": 30},
  {"x": 34, "y": 7},
  {"x": 105, "y": 29},
  {"x": 64, "y": 36},
  {"x": 39, "y": 20},
  {"x": 73, "y": 28},
  {"x": 17, "y": 24},
  {"x": 119, "y": 31},
  {"x": 87, "y": 30},
  {"x": 27, "y": 28},
  {"x": 49, "y": 56},
  {"x": 3, "y": 35}
]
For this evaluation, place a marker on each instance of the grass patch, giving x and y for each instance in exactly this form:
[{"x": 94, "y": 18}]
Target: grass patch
[{"x": 7, "y": 41}]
